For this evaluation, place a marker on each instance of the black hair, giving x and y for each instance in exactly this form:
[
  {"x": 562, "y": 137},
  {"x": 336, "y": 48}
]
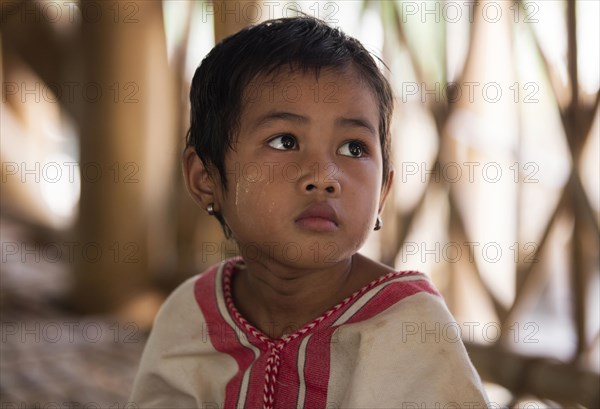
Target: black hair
[{"x": 305, "y": 43}]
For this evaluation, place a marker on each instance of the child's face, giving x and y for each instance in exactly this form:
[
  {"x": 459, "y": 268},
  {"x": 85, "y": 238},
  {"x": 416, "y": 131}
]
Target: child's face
[{"x": 304, "y": 177}]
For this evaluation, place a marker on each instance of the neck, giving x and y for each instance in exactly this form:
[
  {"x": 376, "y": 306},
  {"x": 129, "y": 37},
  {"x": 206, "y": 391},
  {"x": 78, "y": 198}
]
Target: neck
[{"x": 279, "y": 299}]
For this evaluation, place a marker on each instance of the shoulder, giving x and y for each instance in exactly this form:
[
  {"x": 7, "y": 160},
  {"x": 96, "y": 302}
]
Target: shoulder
[
  {"x": 385, "y": 282},
  {"x": 410, "y": 296},
  {"x": 169, "y": 369},
  {"x": 406, "y": 332},
  {"x": 401, "y": 327},
  {"x": 391, "y": 292},
  {"x": 182, "y": 305}
]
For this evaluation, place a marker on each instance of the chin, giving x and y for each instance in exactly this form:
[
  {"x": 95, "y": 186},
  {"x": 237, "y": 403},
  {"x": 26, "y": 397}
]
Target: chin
[
  {"x": 316, "y": 253},
  {"x": 304, "y": 250}
]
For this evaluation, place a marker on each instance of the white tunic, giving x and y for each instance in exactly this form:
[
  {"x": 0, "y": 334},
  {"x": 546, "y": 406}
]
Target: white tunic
[{"x": 392, "y": 344}]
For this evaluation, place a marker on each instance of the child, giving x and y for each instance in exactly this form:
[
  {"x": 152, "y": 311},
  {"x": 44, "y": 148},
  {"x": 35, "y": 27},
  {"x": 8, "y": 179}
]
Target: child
[{"x": 289, "y": 148}]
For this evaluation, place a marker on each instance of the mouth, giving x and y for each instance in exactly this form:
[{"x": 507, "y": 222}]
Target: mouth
[{"x": 318, "y": 216}]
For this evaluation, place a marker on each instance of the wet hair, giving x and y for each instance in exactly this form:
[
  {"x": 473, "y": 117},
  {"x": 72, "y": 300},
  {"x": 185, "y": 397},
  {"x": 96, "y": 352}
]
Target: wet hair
[{"x": 306, "y": 43}]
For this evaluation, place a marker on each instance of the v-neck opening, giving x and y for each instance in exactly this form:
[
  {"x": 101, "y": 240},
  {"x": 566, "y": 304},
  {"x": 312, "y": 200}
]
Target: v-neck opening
[{"x": 232, "y": 267}]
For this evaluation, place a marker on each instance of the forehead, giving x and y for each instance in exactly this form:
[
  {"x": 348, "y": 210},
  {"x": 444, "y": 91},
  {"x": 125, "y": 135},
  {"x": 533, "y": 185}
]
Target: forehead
[{"x": 332, "y": 91}]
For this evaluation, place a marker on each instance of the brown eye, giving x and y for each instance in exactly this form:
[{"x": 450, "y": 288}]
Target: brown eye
[
  {"x": 283, "y": 142},
  {"x": 353, "y": 149}
]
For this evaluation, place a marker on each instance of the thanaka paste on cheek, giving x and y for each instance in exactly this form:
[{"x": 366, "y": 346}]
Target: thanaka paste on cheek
[{"x": 237, "y": 193}]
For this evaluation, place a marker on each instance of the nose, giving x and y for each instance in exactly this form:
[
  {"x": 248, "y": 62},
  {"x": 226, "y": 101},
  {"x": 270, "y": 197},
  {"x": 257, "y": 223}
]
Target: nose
[{"x": 321, "y": 178}]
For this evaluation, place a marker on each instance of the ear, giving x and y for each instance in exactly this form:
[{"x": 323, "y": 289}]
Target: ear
[
  {"x": 385, "y": 190},
  {"x": 198, "y": 180}
]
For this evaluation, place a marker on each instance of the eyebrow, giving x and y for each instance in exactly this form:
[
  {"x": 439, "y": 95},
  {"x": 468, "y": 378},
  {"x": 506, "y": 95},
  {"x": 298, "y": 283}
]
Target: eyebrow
[
  {"x": 356, "y": 123},
  {"x": 279, "y": 116},
  {"x": 291, "y": 117}
]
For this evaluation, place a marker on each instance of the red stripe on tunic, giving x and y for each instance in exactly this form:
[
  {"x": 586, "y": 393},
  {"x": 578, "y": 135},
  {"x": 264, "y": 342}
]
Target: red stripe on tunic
[
  {"x": 390, "y": 295},
  {"x": 288, "y": 381},
  {"x": 317, "y": 368},
  {"x": 254, "y": 399},
  {"x": 223, "y": 337}
]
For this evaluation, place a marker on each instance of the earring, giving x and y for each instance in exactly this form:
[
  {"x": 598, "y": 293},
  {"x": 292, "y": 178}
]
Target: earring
[
  {"x": 210, "y": 209},
  {"x": 378, "y": 223}
]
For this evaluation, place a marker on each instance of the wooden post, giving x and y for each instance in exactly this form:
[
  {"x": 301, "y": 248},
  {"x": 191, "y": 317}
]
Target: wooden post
[
  {"x": 233, "y": 15},
  {"x": 126, "y": 105}
]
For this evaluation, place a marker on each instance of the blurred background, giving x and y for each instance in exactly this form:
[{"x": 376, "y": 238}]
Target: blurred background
[{"x": 496, "y": 196}]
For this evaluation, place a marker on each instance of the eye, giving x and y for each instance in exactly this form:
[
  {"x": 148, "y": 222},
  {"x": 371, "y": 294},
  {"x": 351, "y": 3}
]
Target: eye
[
  {"x": 353, "y": 149},
  {"x": 283, "y": 142}
]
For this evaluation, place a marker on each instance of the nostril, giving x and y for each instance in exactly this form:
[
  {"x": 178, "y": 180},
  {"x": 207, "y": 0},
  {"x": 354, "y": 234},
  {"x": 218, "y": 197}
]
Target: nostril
[{"x": 311, "y": 186}]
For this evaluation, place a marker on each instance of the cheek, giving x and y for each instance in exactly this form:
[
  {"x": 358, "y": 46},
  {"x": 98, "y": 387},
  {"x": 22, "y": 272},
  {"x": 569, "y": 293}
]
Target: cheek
[
  {"x": 254, "y": 203},
  {"x": 364, "y": 185}
]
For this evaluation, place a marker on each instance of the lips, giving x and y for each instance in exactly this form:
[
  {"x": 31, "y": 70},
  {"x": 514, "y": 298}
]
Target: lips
[{"x": 318, "y": 216}]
